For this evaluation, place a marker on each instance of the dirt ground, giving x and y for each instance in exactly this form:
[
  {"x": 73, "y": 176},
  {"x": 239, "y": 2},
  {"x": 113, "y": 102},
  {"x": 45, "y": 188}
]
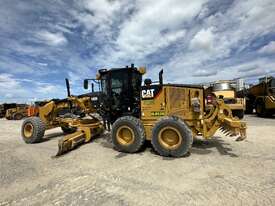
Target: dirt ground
[{"x": 218, "y": 171}]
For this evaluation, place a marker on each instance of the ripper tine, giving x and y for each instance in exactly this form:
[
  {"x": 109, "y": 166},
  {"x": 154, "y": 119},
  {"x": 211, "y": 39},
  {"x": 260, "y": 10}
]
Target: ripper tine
[
  {"x": 227, "y": 133},
  {"x": 233, "y": 134}
]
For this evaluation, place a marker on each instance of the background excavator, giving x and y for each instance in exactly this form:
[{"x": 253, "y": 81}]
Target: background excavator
[{"x": 168, "y": 115}]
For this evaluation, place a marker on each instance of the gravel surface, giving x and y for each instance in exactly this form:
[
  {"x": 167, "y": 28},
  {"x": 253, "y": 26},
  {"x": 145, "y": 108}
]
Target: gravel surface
[{"x": 219, "y": 171}]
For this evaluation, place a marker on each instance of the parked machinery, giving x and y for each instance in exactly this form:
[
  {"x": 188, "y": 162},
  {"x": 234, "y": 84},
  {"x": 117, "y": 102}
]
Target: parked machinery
[
  {"x": 225, "y": 90},
  {"x": 261, "y": 97},
  {"x": 168, "y": 115},
  {"x": 4, "y": 107},
  {"x": 17, "y": 113}
]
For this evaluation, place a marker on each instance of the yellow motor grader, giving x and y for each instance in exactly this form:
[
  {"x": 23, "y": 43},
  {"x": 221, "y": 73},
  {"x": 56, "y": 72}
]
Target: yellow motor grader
[
  {"x": 168, "y": 115},
  {"x": 69, "y": 114}
]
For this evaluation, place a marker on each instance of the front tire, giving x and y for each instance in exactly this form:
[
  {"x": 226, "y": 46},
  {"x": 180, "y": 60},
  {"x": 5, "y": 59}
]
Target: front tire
[
  {"x": 33, "y": 130},
  {"x": 171, "y": 137},
  {"x": 128, "y": 134}
]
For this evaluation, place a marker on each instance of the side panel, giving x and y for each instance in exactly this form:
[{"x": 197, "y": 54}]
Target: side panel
[
  {"x": 153, "y": 107},
  {"x": 180, "y": 102},
  {"x": 258, "y": 90},
  {"x": 158, "y": 102}
]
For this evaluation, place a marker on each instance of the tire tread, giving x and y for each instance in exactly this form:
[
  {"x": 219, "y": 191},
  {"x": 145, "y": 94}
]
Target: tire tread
[
  {"x": 39, "y": 130},
  {"x": 137, "y": 124},
  {"x": 188, "y": 139}
]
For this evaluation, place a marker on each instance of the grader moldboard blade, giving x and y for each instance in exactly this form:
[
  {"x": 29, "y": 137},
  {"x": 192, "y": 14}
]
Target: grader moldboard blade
[{"x": 86, "y": 130}]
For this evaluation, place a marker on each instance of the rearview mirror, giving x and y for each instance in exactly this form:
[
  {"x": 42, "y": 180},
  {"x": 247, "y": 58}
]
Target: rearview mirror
[{"x": 86, "y": 84}]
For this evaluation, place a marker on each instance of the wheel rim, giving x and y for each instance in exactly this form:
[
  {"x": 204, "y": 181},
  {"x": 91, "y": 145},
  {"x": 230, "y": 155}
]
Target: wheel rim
[
  {"x": 28, "y": 130},
  {"x": 169, "y": 138},
  {"x": 125, "y": 135}
]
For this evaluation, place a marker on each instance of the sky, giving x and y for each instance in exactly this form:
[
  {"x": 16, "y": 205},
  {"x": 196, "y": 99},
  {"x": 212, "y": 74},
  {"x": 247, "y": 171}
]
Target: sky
[{"x": 42, "y": 42}]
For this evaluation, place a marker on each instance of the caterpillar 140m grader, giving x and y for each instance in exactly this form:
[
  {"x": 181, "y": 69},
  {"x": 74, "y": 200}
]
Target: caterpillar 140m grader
[{"x": 168, "y": 115}]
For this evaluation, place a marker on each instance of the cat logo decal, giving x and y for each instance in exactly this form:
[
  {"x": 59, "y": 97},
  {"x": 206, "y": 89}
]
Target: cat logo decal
[{"x": 147, "y": 93}]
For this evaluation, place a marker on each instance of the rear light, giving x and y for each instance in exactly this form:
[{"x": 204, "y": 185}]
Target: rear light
[{"x": 209, "y": 99}]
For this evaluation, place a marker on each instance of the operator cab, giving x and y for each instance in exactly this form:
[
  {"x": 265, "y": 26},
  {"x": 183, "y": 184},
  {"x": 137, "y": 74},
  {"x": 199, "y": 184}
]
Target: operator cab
[{"x": 119, "y": 92}]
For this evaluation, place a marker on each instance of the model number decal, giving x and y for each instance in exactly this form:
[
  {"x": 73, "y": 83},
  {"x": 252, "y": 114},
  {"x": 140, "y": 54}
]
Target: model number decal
[{"x": 157, "y": 113}]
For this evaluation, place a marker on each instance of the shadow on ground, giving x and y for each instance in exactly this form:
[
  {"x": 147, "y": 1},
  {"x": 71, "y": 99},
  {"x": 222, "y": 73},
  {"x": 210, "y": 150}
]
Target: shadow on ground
[
  {"x": 205, "y": 147},
  {"x": 256, "y": 116},
  {"x": 200, "y": 146},
  {"x": 51, "y": 136}
]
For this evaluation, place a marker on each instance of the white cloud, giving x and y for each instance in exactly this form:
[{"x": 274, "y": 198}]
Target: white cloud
[
  {"x": 7, "y": 82},
  {"x": 204, "y": 73},
  {"x": 22, "y": 90},
  {"x": 269, "y": 48},
  {"x": 42, "y": 64},
  {"x": 194, "y": 42},
  {"x": 103, "y": 9},
  {"x": 46, "y": 88},
  {"x": 153, "y": 26},
  {"x": 203, "y": 40},
  {"x": 98, "y": 16},
  {"x": 219, "y": 41},
  {"x": 52, "y": 39},
  {"x": 10, "y": 88}
]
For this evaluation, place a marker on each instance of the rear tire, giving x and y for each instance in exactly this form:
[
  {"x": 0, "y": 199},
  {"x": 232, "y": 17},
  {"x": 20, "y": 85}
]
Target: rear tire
[
  {"x": 171, "y": 137},
  {"x": 18, "y": 116},
  {"x": 260, "y": 109},
  {"x": 33, "y": 130},
  {"x": 128, "y": 134}
]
